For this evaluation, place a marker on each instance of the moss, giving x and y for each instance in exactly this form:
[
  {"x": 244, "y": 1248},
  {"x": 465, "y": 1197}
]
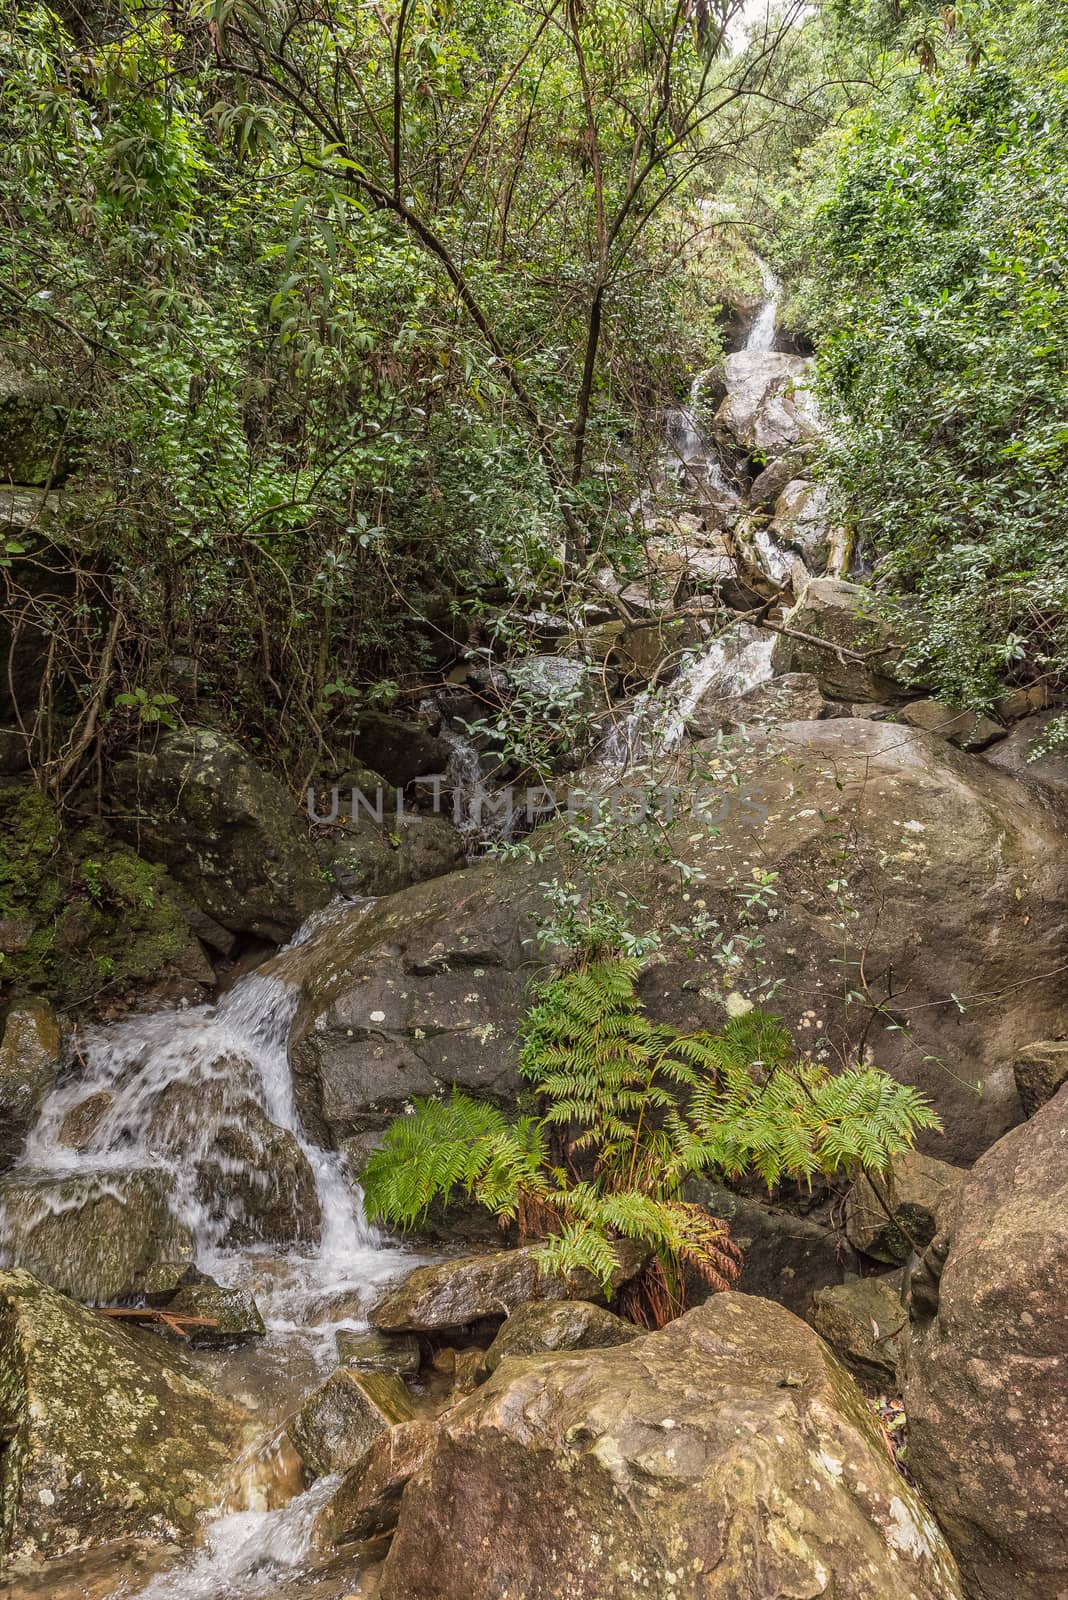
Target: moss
[{"x": 98, "y": 912}]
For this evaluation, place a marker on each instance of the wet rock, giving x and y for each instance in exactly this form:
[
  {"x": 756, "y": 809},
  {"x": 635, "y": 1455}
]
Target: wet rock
[
  {"x": 79, "y": 1127},
  {"x": 105, "y": 1436},
  {"x": 947, "y": 858},
  {"x": 367, "y": 1502},
  {"x": 339, "y": 1422},
  {"x": 729, "y": 1454},
  {"x": 373, "y": 1351},
  {"x": 968, "y": 730},
  {"x": 399, "y": 748},
  {"x": 785, "y": 1257},
  {"x": 1039, "y": 1072},
  {"x": 866, "y": 1325},
  {"x": 769, "y": 409},
  {"x": 233, "y": 1312},
  {"x": 545, "y": 1325},
  {"x": 802, "y": 522},
  {"x": 795, "y": 697},
  {"x": 226, "y": 829},
  {"x": 838, "y": 613},
  {"x": 454, "y": 1293},
  {"x": 889, "y": 1216},
  {"x": 251, "y": 1174},
  {"x": 369, "y": 860},
  {"x": 98, "y": 1237},
  {"x": 29, "y": 1064},
  {"x": 987, "y": 1384}
]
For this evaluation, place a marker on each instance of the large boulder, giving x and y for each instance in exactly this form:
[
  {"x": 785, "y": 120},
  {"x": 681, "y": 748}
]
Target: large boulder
[
  {"x": 769, "y": 409},
  {"x": 831, "y": 633},
  {"x": 421, "y": 993},
  {"x": 226, "y": 829},
  {"x": 98, "y": 1237},
  {"x": 987, "y": 1384},
  {"x": 105, "y": 1436},
  {"x": 941, "y": 875},
  {"x": 802, "y": 521},
  {"x": 889, "y": 1216},
  {"x": 729, "y": 1454},
  {"x": 453, "y": 1293},
  {"x": 29, "y": 1063}
]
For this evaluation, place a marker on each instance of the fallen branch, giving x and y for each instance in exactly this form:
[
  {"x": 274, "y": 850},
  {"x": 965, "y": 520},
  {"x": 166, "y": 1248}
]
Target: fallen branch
[{"x": 177, "y": 1322}]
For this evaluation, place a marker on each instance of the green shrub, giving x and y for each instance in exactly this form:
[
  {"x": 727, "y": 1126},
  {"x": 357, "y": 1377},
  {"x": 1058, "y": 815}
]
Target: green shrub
[{"x": 629, "y": 1109}]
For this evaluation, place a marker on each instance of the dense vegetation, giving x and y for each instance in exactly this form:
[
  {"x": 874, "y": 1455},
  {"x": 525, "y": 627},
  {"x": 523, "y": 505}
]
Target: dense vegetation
[
  {"x": 356, "y": 307},
  {"x": 932, "y": 268},
  {"x": 627, "y": 1111}
]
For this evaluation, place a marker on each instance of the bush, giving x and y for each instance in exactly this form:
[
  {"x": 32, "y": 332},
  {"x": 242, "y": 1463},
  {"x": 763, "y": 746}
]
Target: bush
[{"x": 628, "y": 1110}]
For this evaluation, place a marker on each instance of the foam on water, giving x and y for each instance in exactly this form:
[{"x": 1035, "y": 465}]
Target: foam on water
[
  {"x": 229, "y": 1062},
  {"x": 734, "y": 662}
]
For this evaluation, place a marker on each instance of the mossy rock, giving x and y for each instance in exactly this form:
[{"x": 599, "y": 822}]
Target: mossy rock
[
  {"x": 106, "y": 1434},
  {"x": 89, "y": 911},
  {"x": 98, "y": 1238},
  {"x": 336, "y": 1426}
]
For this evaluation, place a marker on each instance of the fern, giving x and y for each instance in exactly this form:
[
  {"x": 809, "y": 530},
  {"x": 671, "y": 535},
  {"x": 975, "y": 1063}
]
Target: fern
[{"x": 633, "y": 1108}]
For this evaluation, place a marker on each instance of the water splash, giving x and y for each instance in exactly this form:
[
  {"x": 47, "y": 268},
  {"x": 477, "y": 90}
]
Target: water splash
[
  {"x": 734, "y": 662},
  {"x": 247, "y": 1553}
]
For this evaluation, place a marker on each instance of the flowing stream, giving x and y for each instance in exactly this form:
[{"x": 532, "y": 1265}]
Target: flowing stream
[
  {"x": 193, "y": 1110},
  {"x": 739, "y": 658},
  {"x": 199, "y": 1104}
]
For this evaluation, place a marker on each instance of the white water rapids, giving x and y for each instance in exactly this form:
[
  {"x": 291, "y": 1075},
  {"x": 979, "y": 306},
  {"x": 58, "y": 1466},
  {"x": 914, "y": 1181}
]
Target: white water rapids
[{"x": 176, "y": 1087}]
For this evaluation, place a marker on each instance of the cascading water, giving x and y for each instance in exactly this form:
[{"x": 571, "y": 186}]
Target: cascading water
[
  {"x": 761, "y": 340},
  {"x": 198, "y": 1105},
  {"x": 736, "y": 661},
  {"x": 740, "y": 658}
]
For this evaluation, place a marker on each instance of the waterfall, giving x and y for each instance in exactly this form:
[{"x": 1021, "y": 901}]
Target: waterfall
[
  {"x": 655, "y": 725},
  {"x": 197, "y": 1104},
  {"x": 761, "y": 340}
]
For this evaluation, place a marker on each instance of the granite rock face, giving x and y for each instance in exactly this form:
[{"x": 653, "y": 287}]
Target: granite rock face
[
  {"x": 727, "y": 1455},
  {"x": 987, "y": 1380}
]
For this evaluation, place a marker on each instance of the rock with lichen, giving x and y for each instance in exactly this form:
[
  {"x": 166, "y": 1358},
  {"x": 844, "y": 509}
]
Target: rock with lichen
[
  {"x": 728, "y": 1454},
  {"x": 106, "y": 1435},
  {"x": 29, "y": 1062}
]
